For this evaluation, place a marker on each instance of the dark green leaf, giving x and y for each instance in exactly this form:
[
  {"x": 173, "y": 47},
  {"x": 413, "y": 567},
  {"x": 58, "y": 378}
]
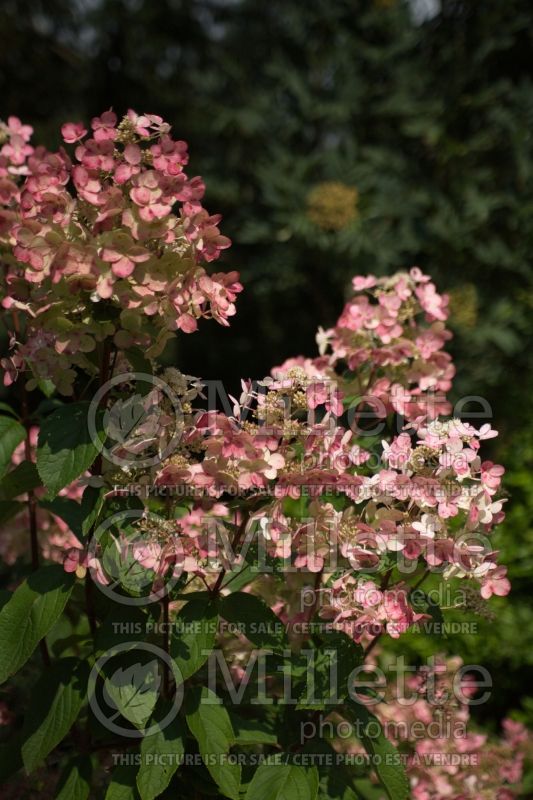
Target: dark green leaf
[
  {"x": 328, "y": 671},
  {"x": 160, "y": 753},
  {"x": 252, "y": 731},
  {"x": 78, "y": 516},
  {"x": 12, "y": 433},
  {"x": 133, "y": 689},
  {"x": 65, "y": 449},
  {"x": 9, "y": 508},
  {"x": 55, "y": 703},
  {"x": 122, "y": 785},
  {"x": 385, "y": 758},
  {"x": 68, "y": 510},
  {"x": 283, "y": 782},
  {"x": 24, "y": 478},
  {"x": 256, "y": 620},
  {"x": 8, "y": 410},
  {"x": 193, "y": 634},
  {"x": 30, "y": 613},
  {"x": 210, "y": 725},
  {"x": 122, "y": 624},
  {"x": 75, "y": 780}
]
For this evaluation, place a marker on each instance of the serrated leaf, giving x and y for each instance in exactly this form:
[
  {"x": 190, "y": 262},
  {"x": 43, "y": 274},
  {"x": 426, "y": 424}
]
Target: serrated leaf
[
  {"x": 125, "y": 416},
  {"x": 92, "y": 502},
  {"x": 9, "y": 509},
  {"x": 134, "y": 690},
  {"x": 329, "y": 670},
  {"x": 78, "y": 516},
  {"x": 122, "y": 624},
  {"x": 75, "y": 780},
  {"x": 55, "y": 703},
  {"x": 24, "y": 478},
  {"x": 239, "y": 578},
  {"x": 252, "y": 731},
  {"x": 122, "y": 785},
  {"x": 210, "y": 725},
  {"x": 30, "y": 613},
  {"x": 193, "y": 634},
  {"x": 337, "y": 783},
  {"x": 283, "y": 782},
  {"x": 65, "y": 448},
  {"x": 67, "y": 510},
  {"x": 160, "y": 754},
  {"x": 12, "y": 433},
  {"x": 385, "y": 758},
  {"x": 257, "y": 621}
]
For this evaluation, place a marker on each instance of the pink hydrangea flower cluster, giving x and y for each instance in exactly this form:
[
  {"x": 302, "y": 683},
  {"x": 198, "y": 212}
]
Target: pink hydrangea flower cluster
[
  {"x": 14, "y": 152},
  {"x": 105, "y": 250},
  {"x": 444, "y": 757},
  {"x": 388, "y": 342},
  {"x": 111, "y": 242},
  {"x": 292, "y": 455}
]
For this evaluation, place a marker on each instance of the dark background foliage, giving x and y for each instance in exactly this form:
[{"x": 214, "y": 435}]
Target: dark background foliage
[{"x": 336, "y": 138}]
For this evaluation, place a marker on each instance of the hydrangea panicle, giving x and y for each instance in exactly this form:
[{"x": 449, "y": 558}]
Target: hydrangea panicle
[{"x": 119, "y": 224}]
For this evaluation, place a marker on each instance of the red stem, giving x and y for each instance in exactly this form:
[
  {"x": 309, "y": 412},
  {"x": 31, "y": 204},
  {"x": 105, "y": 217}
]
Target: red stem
[{"x": 235, "y": 541}]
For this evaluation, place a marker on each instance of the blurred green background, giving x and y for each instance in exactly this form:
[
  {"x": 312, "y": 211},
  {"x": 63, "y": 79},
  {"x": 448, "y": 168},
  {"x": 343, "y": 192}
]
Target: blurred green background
[{"x": 337, "y": 137}]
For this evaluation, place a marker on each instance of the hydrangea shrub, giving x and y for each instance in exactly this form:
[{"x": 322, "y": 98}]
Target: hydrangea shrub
[{"x": 211, "y": 580}]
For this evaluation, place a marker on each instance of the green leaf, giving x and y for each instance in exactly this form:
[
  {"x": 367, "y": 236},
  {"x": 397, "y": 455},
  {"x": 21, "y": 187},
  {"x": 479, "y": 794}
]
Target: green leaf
[
  {"x": 24, "y": 478},
  {"x": 5, "y": 597},
  {"x": 68, "y": 510},
  {"x": 328, "y": 672},
  {"x": 337, "y": 783},
  {"x": 210, "y": 725},
  {"x": 122, "y": 624},
  {"x": 141, "y": 364},
  {"x": 65, "y": 449},
  {"x": 133, "y": 689},
  {"x": 296, "y": 507},
  {"x": 385, "y": 758},
  {"x": 193, "y": 634},
  {"x": 92, "y": 502},
  {"x": 283, "y": 782},
  {"x": 365, "y": 790},
  {"x": 9, "y": 508},
  {"x": 12, "y": 433},
  {"x": 46, "y": 386},
  {"x": 55, "y": 703},
  {"x": 252, "y": 731},
  {"x": 30, "y": 613},
  {"x": 122, "y": 786},
  {"x": 7, "y": 408},
  {"x": 256, "y": 620},
  {"x": 167, "y": 744},
  {"x": 80, "y": 517},
  {"x": 240, "y": 577},
  {"x": 75, "y": 780}
]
